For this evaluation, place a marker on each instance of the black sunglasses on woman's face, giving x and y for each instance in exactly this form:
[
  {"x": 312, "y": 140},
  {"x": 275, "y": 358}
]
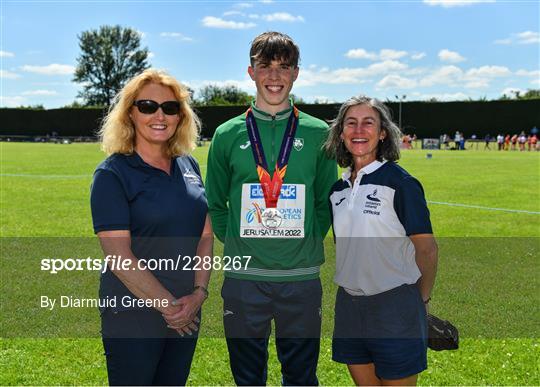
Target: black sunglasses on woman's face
[{"x": 148, "y": 106}]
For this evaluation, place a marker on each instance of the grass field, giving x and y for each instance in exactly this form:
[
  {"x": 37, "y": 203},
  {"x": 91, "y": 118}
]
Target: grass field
[{"x": 488, "y": 281}]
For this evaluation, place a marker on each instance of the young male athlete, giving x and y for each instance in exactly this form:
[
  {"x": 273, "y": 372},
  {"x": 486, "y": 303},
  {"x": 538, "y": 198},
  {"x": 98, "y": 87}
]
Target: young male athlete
[{"x": 267, "y": 186}]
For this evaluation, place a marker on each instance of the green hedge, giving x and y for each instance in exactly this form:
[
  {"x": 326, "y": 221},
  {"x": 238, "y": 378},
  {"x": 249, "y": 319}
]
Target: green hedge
[{"x": 425, "y": 119}]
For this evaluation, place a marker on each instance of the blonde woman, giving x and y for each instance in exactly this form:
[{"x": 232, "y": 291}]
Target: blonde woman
[{"x": 149, "y": 209}]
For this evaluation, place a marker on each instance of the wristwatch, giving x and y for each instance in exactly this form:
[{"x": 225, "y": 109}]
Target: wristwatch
[{"x": 204, "y": 290}]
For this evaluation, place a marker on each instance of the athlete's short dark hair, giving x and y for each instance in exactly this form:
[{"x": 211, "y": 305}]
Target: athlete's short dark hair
[{"x": 273, "y": 45}]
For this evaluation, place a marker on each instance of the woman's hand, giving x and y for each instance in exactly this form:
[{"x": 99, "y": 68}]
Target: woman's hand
[{"x": 184, "y": 318}]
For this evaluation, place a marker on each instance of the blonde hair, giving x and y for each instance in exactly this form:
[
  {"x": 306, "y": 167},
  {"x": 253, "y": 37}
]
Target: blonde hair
[{"x": 117, "y": 134}]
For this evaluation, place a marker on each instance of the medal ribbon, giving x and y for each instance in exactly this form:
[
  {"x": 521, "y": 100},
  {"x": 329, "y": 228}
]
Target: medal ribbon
[{"x": 271, "y": 187}]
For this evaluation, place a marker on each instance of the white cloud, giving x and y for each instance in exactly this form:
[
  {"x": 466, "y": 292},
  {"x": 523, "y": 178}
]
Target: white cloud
[
  {"x": 151, "y": 55},
  {"x": 254, "y": 16},
  {"x": 511, "y": 91},
  {"x": 528, "y": 37},
  {"x": 8, "y": 75},
  {"x": 525, "y": 73},
  {"x": 52, "y": 69},
  {"x": 360, "y": 53},
  {"x": 6, "y": 54},
  {"x": 314, "y": 76},
  {"x": 12, "y": 101},
  {"x": 40, "y": 92},
  {"x": 488, "y": 72},
  {"x": 460, "y": 96},
  {"x": 386, "y": 66},
  {"x": 536, "y": 82},
  {"x": 283, "y": 16},
  {"x": 477, "y": 77},
  {"x": 480, "y": 83},
  {"x": 246, "y": 84},
  {"x": 396, "y": 82},
  {"x": 455, "y": 3},
  {"x": 446, "y": 75},
  {"x": 233, "y": 13},
  {"x": 525, "y": 37},
  {"x": 384, "y": 54},
  {"x": 266, "y": 1},
  {"x": 215, "y": 22},
  {"x": 177, "y": 36},
  {"x": 450, "y": 56},
  {"x": 243, "y": 5},
  {"x": 388, "y": 54},
  {"x": 418, "y": 55},
  {"x": 321, "y": 99}
]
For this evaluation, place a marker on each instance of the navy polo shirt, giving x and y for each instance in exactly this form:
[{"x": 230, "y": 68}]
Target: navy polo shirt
[
  {"x": 372, "y": 221},
  {"x": 165, "y": 215}
]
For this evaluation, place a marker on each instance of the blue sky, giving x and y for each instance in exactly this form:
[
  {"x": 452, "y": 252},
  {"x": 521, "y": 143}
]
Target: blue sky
[{"x": 418, "y": 49}]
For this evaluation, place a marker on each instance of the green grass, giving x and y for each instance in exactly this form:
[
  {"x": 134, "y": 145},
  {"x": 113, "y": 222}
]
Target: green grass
[{"x": 487, "y": 282}]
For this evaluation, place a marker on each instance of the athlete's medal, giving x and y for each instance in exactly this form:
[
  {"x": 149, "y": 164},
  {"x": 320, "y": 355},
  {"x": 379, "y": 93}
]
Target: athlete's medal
[
  {"x": 271, "y": 187},
  {"x": 271, "y": 218}
]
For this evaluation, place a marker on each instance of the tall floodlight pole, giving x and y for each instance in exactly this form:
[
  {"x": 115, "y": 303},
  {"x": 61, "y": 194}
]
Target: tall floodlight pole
[{"x": 400, "y": 99}]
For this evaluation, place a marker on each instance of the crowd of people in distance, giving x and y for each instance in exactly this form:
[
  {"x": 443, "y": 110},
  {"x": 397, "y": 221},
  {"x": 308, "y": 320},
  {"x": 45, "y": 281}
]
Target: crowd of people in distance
[
  {"x": 459, "y": 141},
  {"x": 506, "y": 142}
]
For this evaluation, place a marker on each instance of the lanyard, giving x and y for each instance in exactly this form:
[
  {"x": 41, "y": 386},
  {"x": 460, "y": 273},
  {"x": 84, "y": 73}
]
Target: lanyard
[{"x": 271, "y": 187}]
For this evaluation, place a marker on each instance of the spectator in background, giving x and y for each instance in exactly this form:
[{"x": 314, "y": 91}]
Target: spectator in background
[
  {"x": 507, "y": 142},
  {"x": 500, "y": 142},
  {"x": 531, "y": 142},
  {"x": 446, "y": 141},
  {"x": 457, "y": 140},
  {"x": 535, "y": 145},
  {"x": 487, "y": 139},
  {"x": 462, "y": 141},
  {"x": 514, "y": 140},
  {"x": 522, "y": 139},
  {"x": 406, "y": 141}
]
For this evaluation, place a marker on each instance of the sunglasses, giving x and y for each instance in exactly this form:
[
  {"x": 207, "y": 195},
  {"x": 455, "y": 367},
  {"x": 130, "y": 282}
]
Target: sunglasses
[{"x": 147, "y": 106}]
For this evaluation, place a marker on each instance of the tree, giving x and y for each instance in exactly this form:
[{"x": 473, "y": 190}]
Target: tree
[
  {"x": 31, "y": 107},
  {"x": 297, "y": 100},
  {"x": 529, "y": 94},
  {"x": 213, "y": 95},
  {"x": 110, "y": 56}
]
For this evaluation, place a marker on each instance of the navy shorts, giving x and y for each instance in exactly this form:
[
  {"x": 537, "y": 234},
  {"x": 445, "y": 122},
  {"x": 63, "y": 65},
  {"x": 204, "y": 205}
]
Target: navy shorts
[{"x": 387, "y": 329}]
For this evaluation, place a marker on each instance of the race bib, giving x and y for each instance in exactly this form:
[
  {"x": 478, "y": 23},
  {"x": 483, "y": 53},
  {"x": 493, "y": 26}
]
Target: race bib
[{"x": 285, "y": 221}]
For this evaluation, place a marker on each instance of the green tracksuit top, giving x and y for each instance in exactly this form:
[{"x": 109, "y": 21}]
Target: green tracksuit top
[{"x": 292, "y": 251}]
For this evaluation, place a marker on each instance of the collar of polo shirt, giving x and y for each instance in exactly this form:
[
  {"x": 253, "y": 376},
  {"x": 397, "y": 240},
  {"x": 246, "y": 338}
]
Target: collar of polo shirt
[{"x": 370, "y": 168}]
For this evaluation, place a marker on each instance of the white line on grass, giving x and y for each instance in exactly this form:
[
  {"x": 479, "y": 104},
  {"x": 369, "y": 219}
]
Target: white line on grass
[
  {"x": 44, "y": 176},
  {"x": 484, "y": 208},
  {"x": 429, "y": 201}
]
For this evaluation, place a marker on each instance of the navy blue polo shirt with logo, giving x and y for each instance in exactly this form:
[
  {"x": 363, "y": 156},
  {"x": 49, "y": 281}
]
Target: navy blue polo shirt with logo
[
  {"x": 372, "y": 220},
  {"x": 165, "y": 214}
]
